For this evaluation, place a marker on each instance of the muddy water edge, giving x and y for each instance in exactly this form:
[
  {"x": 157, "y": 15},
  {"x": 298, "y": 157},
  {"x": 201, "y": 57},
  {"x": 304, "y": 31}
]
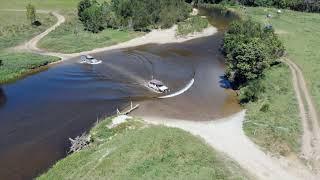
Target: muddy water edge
[{"x": 40, "y": 112}]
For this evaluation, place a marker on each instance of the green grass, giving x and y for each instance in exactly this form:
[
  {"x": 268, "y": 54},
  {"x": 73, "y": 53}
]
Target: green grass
[
  {"x": 40, "y": 4},
  {"x": 273, "y": 121},
  {"x": 141, "y": 152},
  {"x": 70, "y": 37},
  {"x": 15, "y": 29},
  {"x": 192, "y": 25},
  {"x": 17, "y": 65},
  {"x": 301, "y": 36}
]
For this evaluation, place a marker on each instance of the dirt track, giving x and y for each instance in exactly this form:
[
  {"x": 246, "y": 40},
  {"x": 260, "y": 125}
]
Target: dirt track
[{"x": 310, "y": 149}]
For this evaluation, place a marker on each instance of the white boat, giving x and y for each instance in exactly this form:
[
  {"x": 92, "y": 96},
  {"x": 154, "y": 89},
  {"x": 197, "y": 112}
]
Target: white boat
[
  {"x": 87, "y": 59},
  {"x": 157, "y": 86}
]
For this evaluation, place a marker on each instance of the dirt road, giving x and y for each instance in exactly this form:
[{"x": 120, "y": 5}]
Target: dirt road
[{"x": 310, "y": 149}]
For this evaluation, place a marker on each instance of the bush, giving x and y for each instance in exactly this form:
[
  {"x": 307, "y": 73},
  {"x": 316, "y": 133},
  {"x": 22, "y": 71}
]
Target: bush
[
  {"x": 251, "y": 92},
  {"x": 31, "y": 13},
  {"x": 191, "y": 25},
  {"x": 93, "y": 19},
  {"x": 134, "y": 14},
  {"x": 249, "y": 49}
]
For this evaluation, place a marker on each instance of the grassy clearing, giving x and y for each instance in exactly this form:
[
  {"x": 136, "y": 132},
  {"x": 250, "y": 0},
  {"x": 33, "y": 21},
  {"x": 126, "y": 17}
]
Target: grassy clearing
[
  {"x": 70, "y": 37},
  {"x": 301, "y": 36},
  {"x": 134, "y": 151},
  {"x": 40, "y": 4},
  {"x": 273, "y": 121},
  {"x": 192, "y": 25},
  {"x": 15, "y": 29},
  {"x": 16, "y": 65}
]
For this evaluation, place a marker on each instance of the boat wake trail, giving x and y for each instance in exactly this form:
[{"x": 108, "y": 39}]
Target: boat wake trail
[{"x": 181, "y": 91}]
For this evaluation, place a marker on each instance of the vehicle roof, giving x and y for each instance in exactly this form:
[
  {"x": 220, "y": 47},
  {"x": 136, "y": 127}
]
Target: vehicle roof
[
  {"x": 89, "y": 57},
  {"x": 157, "y": 82}
]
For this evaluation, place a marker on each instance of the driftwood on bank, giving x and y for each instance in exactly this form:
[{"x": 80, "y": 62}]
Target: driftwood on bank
[
  {"x": 79, "y": 143},
  {"x": 128, "y": 109},
  {"x": 84, "y": 140}
]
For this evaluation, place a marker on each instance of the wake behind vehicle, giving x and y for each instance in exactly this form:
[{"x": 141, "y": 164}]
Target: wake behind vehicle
[
  {"x": 157, "y": 86},
  {"x": 87, "y": 59}
]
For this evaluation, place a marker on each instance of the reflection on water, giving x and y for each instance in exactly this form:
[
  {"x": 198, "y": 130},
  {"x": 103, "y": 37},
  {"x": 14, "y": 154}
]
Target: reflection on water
[{"x": 2, "y": 97}]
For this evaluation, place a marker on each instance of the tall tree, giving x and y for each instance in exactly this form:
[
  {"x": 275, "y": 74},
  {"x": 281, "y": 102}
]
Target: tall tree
[{"x": 31, "y": 13}]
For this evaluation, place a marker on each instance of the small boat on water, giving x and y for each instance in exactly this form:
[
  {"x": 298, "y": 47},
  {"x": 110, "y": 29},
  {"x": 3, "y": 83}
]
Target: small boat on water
[
  {"x": 87, "y": 59},
  {"x": 157, "y": 86}
]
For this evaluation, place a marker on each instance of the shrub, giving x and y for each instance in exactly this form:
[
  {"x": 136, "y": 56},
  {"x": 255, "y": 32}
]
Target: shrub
[
  {"x": 31, "y": 13},
  {"x": 251, "y": 92},
  {"x": 93, "y": 19},
  {"x": 249, "y": 49},
  {"x": 135, "y": 14}
]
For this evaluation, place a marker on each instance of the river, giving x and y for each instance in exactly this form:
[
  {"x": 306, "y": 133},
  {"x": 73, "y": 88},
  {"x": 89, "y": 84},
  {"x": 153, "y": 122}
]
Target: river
[{"x": 40, "y": 112}]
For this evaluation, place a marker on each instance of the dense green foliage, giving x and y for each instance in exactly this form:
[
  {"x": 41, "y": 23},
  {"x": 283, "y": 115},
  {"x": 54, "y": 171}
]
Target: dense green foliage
[
  {"x": 134, "y": 150},
  {"x": 272, "y": 120},
  {"x": 191, "y": 25},
  {"x": 249, "y": 49},
  {"x": 132, "y": 14}
]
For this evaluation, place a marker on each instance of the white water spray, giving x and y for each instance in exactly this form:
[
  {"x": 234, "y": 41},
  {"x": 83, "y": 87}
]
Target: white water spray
[{"x": 181, "y": 91}]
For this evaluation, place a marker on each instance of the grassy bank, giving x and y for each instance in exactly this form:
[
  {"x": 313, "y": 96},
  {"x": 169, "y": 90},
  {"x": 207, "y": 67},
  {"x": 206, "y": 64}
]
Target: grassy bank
[
  {"x": 17, "y": 65},
  {"x": 301, "y": 36},
  {"x": 134, "y": 151},
  {"x": 14, "y": 30},
  {"x": 192, "y": 25},
  {"x": 71, "y": 37},
  {"x": 273, "y": 120},
  {"x": 279, "y": 129}
]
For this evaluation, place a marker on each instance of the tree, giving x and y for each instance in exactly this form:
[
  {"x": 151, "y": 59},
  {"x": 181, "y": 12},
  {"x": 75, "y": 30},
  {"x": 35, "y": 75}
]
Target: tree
[
  {"x": 247, "y": 61},
  {"x": 93, "y": 19},
  {"x": 82, "y": 6},
  {"x": 31, "y": 13}
]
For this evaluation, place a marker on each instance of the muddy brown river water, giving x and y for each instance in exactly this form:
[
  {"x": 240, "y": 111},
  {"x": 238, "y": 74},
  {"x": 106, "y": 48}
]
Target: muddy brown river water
[{"x": 40, "y": 112}]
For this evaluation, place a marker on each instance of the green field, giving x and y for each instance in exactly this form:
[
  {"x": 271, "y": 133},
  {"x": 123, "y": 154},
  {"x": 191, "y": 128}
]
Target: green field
[
  {"x": 133, "y": 151},
  {"x": 273, "y": 121},
  {"x": 17, "y": 65},
  {"x": 61, "y": 5},
  {"x": 70, "y": 37},
  {"x": 15, "y": 29},
  {"x": 279, "y": 129},
  {"x": 301, "y": 36}
]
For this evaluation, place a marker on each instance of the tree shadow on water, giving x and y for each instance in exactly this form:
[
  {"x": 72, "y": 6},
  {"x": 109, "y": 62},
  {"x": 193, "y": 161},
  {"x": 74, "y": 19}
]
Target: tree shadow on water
[
  {"x": 224, "y": 82},
  {"x": 3, "y": 97}
]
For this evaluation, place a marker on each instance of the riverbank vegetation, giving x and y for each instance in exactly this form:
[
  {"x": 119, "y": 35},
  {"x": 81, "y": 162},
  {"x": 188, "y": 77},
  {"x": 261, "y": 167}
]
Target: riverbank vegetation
[
  {"x": 192, "y": 25},
  {"x": 250, "y": 49},
  {"x": 253, "y": 52},
  {"x": 135, "y": 150},
  {"x": 17, "y": 65},
  {"x": 70, "y": 37},
  {"x": 139, "y": 15}
]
